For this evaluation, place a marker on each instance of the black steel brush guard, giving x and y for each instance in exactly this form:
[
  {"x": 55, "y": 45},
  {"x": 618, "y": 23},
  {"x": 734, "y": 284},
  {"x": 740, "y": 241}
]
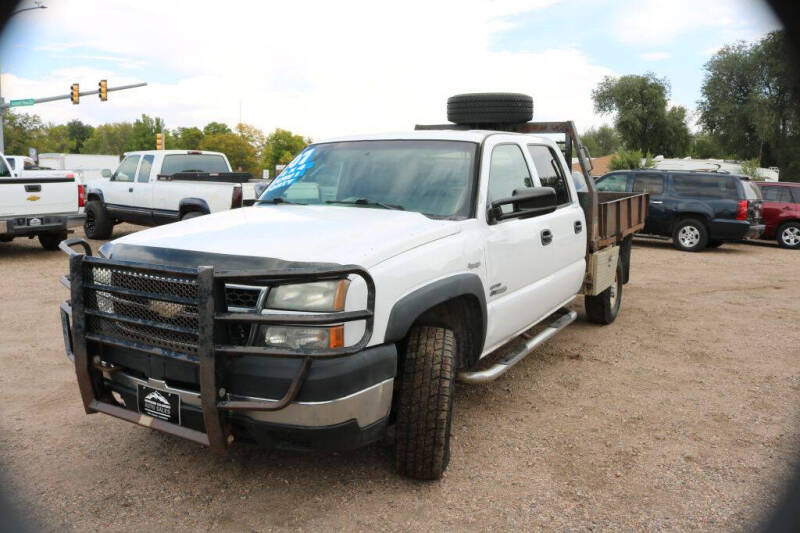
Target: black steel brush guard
[{"x": 212, "y": 319}]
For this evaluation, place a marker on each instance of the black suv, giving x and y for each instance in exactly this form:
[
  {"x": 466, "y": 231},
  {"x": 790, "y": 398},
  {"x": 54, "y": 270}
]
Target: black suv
[{"x": 696, "y": 209}]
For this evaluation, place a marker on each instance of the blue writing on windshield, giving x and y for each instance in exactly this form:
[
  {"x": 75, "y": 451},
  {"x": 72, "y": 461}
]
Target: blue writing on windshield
[{"x": 291, "y": 174}]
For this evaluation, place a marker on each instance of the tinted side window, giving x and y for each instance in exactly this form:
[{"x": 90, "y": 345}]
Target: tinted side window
[
  {"x": 796, "y": 194},
  {"x": 710, "y": 187},
  {"x": 4, "y": 172},
  {"x": 507, "y": 171},
  {"x": 613, "y": 183},
  {"x": 652, "y": 183},
  {"x": 144, "y": 169},
  {"x": 550, "y": 172},
  {"x": 12, "y": 163},
  {"x": 770, "y": 194}
]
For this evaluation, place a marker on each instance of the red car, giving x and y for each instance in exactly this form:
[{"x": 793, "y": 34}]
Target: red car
[{"x": 781, "y": 212}]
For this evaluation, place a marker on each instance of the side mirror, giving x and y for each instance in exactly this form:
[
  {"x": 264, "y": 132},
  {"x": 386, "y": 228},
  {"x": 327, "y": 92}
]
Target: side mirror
[
  {"x": 105, "y": 173},
  {"x": 527, "y": 202}
]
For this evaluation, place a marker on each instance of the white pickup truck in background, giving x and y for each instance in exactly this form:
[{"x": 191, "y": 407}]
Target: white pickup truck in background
[
  {"x": 43, "y": 203},
  {"x": 155, "y": 187}
]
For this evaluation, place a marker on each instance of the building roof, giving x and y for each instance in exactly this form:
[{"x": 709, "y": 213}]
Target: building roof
[{"x": 601, "y": 165}]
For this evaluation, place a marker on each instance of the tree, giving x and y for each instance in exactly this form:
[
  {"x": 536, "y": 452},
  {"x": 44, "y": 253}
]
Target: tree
[
  {"x": 642, "y": 119},
  {"x": 78, "y": 132},
  {"x": 281, "y": 147},
  {"x": 601, "y": 141},
  {"x": 240, "y": 153},
  {"x": 213, "y": 128},
  {"x": 143, "y": 134},
  {"x": 21, "y": 131},
  {"x": 56, "y": 139},
  {"x": 750, "y": 103},
  {"x": 186, "y": 138},
  {"x": 110, "y": 139}
]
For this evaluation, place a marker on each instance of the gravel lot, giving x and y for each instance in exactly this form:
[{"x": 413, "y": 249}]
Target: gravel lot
[{"x": 683, "y": 414}]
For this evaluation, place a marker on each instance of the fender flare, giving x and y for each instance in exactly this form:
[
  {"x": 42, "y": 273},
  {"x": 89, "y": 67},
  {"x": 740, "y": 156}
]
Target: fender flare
[
  {"x": 411, "y": 306},
  {"x": 97, "y": 193},
  {"x": 192, "y": 204}
]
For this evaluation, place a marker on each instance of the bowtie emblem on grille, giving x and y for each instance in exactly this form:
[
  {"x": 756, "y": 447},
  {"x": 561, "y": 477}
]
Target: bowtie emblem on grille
[{"x": 165, "y": 309}]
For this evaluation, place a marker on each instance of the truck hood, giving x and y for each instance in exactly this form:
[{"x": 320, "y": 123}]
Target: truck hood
[{"x": 293, "y": 233}]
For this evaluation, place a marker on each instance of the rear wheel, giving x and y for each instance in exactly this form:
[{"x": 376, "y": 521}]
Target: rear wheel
[
  {"x": 98, "y": 224},
  {"x": 789, "y": 235},
  {"x": 690, "y": 235},
  {"x": 425, "y": 403},
  {"x": 50, "y": 241},
  {"x": 603, "y": 308}
]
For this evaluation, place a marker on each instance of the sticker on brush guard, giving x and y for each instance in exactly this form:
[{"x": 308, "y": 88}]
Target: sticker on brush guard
[{"x": 292, "y": 173}]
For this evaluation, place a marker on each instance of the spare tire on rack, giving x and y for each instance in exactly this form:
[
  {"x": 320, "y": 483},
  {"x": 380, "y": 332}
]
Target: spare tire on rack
[{"x": 490, "y": 108}]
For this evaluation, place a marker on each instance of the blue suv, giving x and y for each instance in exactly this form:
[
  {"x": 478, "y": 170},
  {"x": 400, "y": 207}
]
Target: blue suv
[{"x": 697, "y": 209}]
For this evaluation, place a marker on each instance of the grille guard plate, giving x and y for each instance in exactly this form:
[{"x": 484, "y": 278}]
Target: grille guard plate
[{"x": 209, "y": 328}]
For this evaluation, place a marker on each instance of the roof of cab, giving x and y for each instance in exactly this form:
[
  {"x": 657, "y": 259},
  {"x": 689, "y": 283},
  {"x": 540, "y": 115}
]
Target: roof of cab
[
  {"x": 475, "y": 136},
  {"x": 172, "y": 152}
]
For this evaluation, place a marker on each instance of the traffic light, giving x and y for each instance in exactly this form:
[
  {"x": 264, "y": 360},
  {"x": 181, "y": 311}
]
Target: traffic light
[
  {"x": 159, "y": 141},
  {"x": 103, "y": 90},
  {"x": 75, "y": 93}
]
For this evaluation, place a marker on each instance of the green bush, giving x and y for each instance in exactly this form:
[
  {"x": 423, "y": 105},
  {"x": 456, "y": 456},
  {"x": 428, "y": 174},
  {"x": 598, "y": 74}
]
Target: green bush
[
  {"x": 750, "y": 168},
  {"x": 626, "y": 160}
]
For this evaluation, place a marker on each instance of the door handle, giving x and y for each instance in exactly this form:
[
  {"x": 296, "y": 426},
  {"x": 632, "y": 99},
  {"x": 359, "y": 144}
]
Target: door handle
[
  {"x": 656, "y": 202},
  {"x": 547, "y": 237},
  {"x": 130, "y": 189},
  {"x": 33, "y": 188},
  {"x": 578, "y": 226}
]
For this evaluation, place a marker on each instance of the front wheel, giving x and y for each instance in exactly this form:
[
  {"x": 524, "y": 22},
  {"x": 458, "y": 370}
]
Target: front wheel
[
  {"x": 603, "y": 308},
  {"x": 98, "y": 224},
  {"x": 425, "y": 403},
  {"x": 789, "y": 235},
  {"x": 50, "y": 241}
]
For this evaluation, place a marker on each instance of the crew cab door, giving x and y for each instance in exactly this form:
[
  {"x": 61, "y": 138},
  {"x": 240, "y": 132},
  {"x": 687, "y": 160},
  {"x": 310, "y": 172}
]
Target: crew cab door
[
  {"x": 527, "y": 259},
  {"x": 143, "y": 188}
]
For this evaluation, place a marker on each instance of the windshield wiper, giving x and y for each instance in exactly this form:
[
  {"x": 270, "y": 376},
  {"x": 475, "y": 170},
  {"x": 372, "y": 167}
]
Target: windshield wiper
[
  {"x": 278, "y": 200},
  {"x": 366, "y": 201}
]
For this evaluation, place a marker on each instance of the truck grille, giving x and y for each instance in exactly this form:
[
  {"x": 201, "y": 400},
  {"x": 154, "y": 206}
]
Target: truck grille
[
  {"x": 146, "y": 308},
  {"x": 156, "y": 309}
]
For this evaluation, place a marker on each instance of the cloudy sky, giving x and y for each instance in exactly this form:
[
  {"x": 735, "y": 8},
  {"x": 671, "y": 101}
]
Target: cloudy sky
[{"x": 343, "y": 67}]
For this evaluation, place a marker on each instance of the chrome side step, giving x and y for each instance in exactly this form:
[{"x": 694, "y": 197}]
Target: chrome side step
[{"x": 504, "y": 364}]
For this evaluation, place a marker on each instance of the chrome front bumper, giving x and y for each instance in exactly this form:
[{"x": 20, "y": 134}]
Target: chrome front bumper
[{"x": 366, "y": 406}]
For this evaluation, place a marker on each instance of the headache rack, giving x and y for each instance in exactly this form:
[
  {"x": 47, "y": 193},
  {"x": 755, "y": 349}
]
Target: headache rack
[{"x": 183, "y": 314}]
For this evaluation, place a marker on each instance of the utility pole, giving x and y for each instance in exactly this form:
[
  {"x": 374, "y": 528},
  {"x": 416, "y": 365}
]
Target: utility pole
[{"x": 70, "y": 96}]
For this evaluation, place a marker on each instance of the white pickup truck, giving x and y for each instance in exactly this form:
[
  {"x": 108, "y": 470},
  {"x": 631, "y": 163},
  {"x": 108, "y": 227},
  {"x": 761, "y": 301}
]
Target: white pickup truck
[
  {"x": 33, "y": 202},
  {"x": 370, "y": 275},
  {"x": 157, "y": 187}
]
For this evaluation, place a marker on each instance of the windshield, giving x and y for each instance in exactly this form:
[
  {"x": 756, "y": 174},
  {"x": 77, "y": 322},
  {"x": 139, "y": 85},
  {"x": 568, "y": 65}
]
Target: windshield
[
  {"x": 430, "y": 177},
  {"x": 193, "y": 163}
]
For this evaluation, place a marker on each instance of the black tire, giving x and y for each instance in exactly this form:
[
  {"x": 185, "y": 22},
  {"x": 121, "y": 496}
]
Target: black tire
[
  {"x": 98, "y": 224},
  {"x": 787, "y": 235},
  {"x": 425, "y": 403},
  {"x": 690, "y": 235},
  {"x": 191, "y": 214},
  {"x": 50, "y": 241},
  {"x": 715, "y": 244},
  {"x": 604, "y": 308},
  {"x": 490, "y": 108}
]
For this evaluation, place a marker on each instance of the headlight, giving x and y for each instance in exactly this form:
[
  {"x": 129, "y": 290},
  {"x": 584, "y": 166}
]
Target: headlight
[
  {"x": 318, "y": 296},
  {"x": 303, "y": 338}
]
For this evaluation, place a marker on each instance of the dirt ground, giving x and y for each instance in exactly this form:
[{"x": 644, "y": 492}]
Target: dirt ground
[{"x": 683, "y": 414}]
